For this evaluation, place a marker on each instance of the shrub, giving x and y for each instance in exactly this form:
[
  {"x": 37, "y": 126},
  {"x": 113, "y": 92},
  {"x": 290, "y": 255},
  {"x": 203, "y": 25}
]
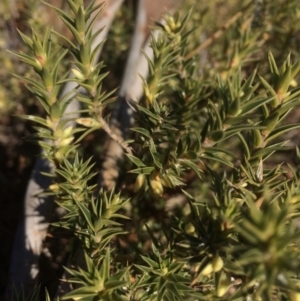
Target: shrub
[{"x": 200, "y": 209}]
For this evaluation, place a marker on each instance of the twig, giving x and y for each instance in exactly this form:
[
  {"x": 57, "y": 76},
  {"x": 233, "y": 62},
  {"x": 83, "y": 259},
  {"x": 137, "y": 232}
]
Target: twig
[
  {"x": 118, "y": 139},
  {"x": 219, "y": 32}
]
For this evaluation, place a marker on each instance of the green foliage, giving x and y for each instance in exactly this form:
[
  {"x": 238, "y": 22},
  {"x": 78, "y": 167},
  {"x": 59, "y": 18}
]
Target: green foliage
[
  {"x": 209, "y": 133},
  {"x": 97, "y": 282},
  {"x": 32, "y": 296}
]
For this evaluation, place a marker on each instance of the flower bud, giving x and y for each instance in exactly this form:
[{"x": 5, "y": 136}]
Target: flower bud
[
  {"x": 167, "y": 28},
  {"x": 189, "y": 228},
  {"x": 54, "y": 187},
  {"x": 38, "y": 65},
  {"x": 223, "y": 287},
  {"x": 78, "y": 74},
  {"x": 155, "y": 184},
  {"x": 294, "y": 296},
  {"x": 59, "y": 155},
  {"x": 148, "y": 95},
  {"x": 217, "y": 263},
  {"x": 208, "y": 269},
  {"x": 139, "y": 182},
  {"x": 49, "y": 122},
  {"x": 88, "y": 122},
  {"x": 66, "y": 141},
  {"x": 67, "y": 132}
]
